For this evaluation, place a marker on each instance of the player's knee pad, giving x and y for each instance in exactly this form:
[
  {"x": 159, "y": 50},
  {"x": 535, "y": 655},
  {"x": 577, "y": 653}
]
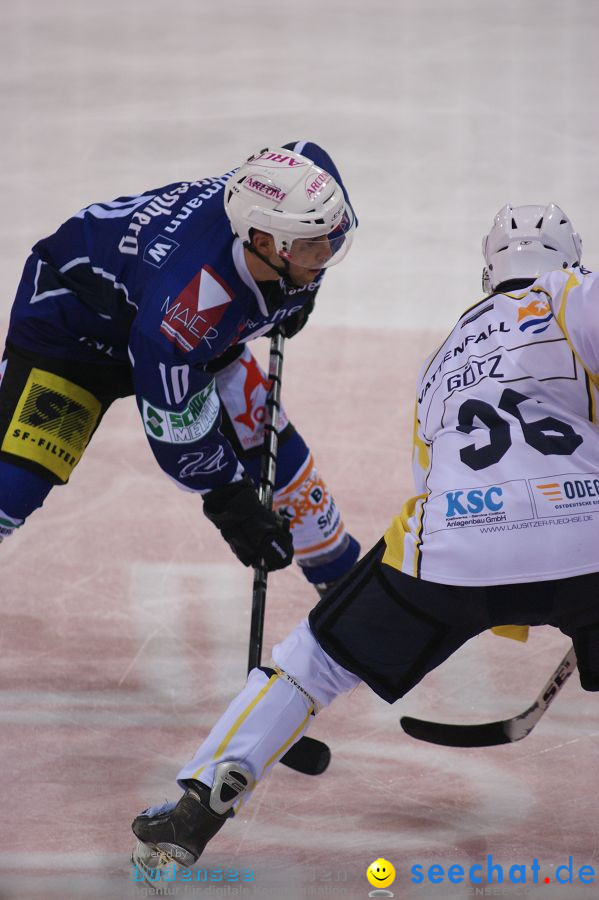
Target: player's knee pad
[
  {"x": 303, "y": 663},
  {"x": 322, "y": 546},
  {"x": 310, "y": 702}
]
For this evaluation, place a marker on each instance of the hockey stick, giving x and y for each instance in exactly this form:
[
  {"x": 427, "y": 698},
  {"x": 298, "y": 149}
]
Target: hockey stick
[
  {"x": 308, "y": 755},
  {"x": 490, "y": 734}
]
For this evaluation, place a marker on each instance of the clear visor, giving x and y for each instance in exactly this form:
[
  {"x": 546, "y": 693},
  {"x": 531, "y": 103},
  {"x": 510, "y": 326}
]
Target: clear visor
[{"x": 325, "y": 250}]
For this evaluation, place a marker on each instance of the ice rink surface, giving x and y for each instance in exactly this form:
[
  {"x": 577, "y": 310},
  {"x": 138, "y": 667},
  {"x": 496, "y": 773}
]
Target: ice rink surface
[{"x": 124, "y": 616}]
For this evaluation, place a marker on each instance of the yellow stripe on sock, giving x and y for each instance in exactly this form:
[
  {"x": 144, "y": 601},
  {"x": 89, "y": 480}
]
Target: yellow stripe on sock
[
  {"x": 239, "y": 721},
  {"x": 278, "y": 753}
]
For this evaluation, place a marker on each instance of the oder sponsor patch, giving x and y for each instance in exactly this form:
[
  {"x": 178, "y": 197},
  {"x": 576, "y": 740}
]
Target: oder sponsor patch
[{"x": 52, "y": 423}]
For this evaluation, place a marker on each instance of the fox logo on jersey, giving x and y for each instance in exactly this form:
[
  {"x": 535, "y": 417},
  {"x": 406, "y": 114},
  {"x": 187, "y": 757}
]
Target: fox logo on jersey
[
  {"x": 537, "y": 316},
  {"x": 254, "y": 412}
]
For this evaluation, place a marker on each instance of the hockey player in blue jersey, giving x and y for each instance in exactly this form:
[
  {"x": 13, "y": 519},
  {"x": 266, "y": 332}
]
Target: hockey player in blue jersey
[{"x": 157, "y": 295}]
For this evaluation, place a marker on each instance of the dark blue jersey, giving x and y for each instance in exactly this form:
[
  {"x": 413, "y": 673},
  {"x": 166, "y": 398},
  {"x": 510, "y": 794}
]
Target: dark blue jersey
[{"x": 156, "y": 281}]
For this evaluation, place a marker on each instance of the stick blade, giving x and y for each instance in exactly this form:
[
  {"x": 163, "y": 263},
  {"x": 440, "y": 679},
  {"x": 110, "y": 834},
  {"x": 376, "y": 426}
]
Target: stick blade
[
  {"x": 308, "y": 756},
  {"x": 489, "y": 734}
]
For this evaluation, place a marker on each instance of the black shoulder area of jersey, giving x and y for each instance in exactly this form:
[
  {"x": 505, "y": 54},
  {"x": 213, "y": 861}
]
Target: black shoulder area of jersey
[
  {"x": 513, "y": 284},
  {"x": 477, "y": 309}
]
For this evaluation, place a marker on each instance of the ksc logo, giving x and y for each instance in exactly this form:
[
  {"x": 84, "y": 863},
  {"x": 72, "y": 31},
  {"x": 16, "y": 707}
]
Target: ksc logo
[{"x": 478, "y": 500}]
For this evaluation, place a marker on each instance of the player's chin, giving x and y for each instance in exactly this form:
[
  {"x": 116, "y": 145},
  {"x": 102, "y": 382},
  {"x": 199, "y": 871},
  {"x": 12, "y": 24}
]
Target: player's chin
[{"x": 307, "y": 276}]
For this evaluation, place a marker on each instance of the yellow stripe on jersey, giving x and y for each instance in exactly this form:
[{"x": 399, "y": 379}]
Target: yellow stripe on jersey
[
  {"x": 540, "y": 290},
  {"x": 420, "y": 447},
  {"x": 291, "y": 740},
  {"x": 516, "y": 296},
  {"x": 515, "y": 632},
  {"x": 561, "y": 321},
  {"x": 396, "y": 534},
  {"x": 561, "y": 315},
  {"x": 418, "y": 536},
  {"x": 240, "y": 720}
]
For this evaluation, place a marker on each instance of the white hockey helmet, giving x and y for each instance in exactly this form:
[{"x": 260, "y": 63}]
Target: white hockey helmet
[
  {"x": 289, "y": 197},
  {"x": 526, "y": 241}
]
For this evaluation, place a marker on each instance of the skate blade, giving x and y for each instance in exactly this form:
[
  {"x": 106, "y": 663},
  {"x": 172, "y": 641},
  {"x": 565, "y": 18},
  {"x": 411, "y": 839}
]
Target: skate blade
[{"x": 158, "y": 868}]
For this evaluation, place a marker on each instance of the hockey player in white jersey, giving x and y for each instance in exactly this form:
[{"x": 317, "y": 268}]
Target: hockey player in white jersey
[{"x": 503, "y": 529}]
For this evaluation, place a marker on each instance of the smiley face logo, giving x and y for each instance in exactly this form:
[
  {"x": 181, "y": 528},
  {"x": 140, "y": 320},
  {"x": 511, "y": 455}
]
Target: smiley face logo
[{"x": 380, "y": 873}]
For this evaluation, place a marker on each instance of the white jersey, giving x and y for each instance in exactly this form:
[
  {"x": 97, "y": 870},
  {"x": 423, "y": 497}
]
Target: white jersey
[{"x": 506, "y": 442}]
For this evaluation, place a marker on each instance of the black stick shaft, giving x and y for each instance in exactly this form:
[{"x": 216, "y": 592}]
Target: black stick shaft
[
  {"x": 266, "y": 491},
  {"x": 308, "y": 755}
]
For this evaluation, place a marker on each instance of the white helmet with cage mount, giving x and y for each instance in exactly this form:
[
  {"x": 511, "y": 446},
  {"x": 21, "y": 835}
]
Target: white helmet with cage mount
[
  {"x": 526, "y": 241},
  {"x": 287, "y": 196}
]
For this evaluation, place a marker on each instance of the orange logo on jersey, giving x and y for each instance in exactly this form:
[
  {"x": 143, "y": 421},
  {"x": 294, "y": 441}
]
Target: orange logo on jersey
[
  {"x": 254, "y": 379},
  {"x": 313, "y": 499},
  {"x": 552, "y": 490},
  {"x": 537, "y": 315}
]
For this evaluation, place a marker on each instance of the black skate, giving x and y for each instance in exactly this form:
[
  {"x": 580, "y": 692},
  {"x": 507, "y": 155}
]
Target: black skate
[{"x": 174, "y": 835}]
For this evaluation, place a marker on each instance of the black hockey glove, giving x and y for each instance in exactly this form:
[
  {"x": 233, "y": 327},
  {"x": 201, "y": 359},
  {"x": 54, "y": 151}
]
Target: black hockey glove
[
  {"x": 290, "y": 326},
  {"x": 252, "y": 532}
]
